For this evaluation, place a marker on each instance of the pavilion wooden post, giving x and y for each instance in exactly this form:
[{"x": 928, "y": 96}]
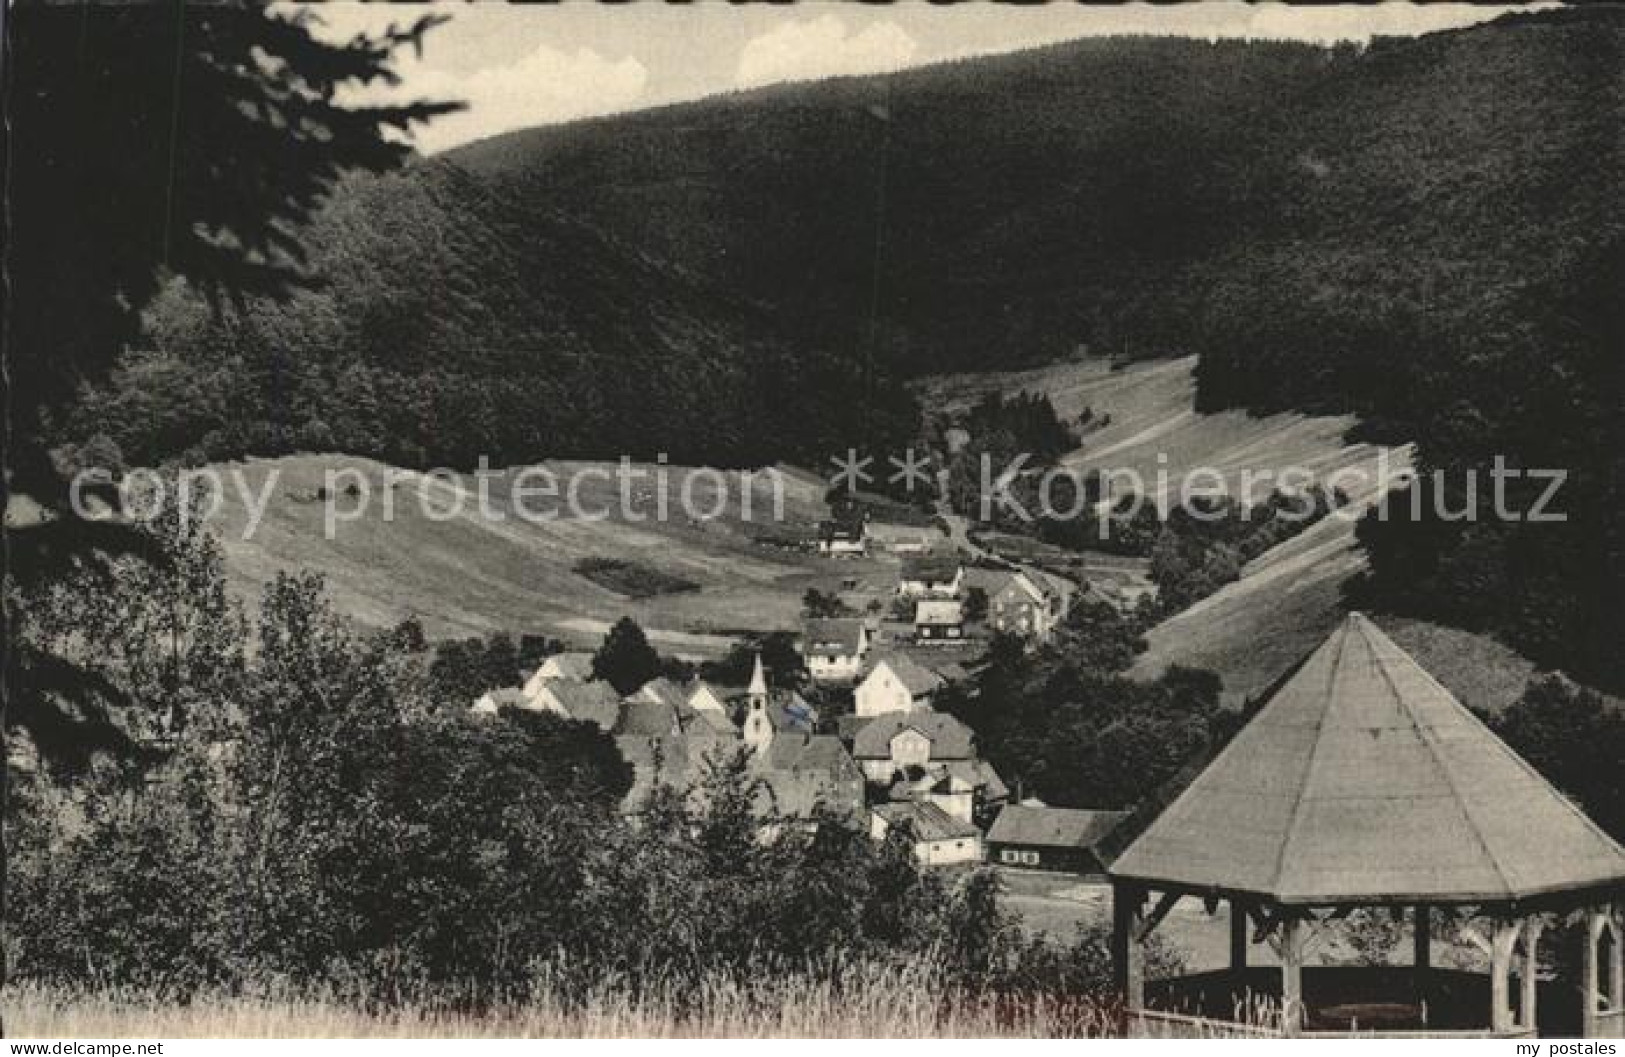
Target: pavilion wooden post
[
  {"x": 1530, "y": 973},
  {"x": 1422, "y": 941},
  {"x": 1292, "y": 936},
  {"x": 1590, "y": 972},
  {"x": 1238, "y": 940},
  {"x": 1616, "y": 963},
  {"x": 1128, "y": 958},
  {"x": 1505, "y": 939}
]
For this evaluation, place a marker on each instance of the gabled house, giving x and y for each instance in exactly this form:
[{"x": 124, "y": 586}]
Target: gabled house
[
  {"x": 896, "y": 683},
  {"x": 938, "y": 838},
  {"x": 844, "y": 535},
  {"x": 938, "y": 621},
  {"x": 938, "y": 574},
  {"x": 1029, "y": 605},
  {"x": 834, "y": 649},
  {"x": 595, "y": 702},
  {"x": 574, "y": 667},
  {"x": 892, "y": 745}
]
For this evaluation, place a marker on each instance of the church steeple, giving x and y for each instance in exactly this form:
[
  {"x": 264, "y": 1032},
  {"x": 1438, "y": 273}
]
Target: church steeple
[
  {"x": 758, "y": 683},
  {"x": 758, "y": 730}
]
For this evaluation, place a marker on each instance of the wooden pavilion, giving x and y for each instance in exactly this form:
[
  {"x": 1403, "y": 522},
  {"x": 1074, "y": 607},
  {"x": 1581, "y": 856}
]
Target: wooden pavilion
[{"x": 1363, "y": 783}]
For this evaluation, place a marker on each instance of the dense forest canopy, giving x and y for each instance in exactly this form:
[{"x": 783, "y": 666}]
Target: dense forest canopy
[{"x": 1427, "y": 232}]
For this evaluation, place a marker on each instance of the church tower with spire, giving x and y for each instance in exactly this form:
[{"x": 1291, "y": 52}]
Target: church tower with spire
[{"x": 758, "y": 730}]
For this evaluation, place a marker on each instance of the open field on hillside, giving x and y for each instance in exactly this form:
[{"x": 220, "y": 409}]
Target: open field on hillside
[
  {"x": 1289, "y": 598},
  {"x": 470, "y": 573}
]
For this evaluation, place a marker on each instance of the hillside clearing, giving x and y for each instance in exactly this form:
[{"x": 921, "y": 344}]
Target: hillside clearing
[{"x": 470, "y": 574}]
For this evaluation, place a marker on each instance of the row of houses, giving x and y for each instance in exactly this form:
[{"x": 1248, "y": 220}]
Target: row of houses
[{"x": 895, "y": 761}]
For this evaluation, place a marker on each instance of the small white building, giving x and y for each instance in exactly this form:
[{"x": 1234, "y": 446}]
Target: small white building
[
  {"x": 939, "y": 839},
  {"x": 897, "y": 684}
]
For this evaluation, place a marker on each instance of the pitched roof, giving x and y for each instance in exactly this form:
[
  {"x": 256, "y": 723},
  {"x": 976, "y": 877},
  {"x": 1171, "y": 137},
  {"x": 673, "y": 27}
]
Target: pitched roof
[
  {"x": 939, "y": 611},
  {"x": 504, "y": 697},
  {"x": 577, "y": 665},
  {"x": 1362, "y": 779},
  {"x": 652, "y": 719},
  {"x": 950, "y": 739},
  {"x": 932, "y": 567},
  {"x": 708, "y": 722},
  {"x": 803, "y": 771},
  {"x": 929, "y": 822},
  {"x": 916, "y": 679},
  {"x": 833, "y": 635},
  {"x": 704, "y": 697},
  {"x": 981, "y": 775},
  {"x": 666, "y": 690},
  {"x": 789, "y": 711},
  {"x": 596, "y": 702},
  {"x": 1054, "y": 827},
  {"x": 1021, "y": 583}
]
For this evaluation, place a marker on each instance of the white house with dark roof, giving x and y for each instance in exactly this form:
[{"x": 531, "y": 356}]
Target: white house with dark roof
[
  {"x": 834, "y": 649},
  {"x": 896, "y": 683}
]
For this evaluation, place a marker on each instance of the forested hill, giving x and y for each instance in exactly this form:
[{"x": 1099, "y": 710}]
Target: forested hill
[
  {"x": 1426, "y": 232},
  {"x": 452, "y": 320}
]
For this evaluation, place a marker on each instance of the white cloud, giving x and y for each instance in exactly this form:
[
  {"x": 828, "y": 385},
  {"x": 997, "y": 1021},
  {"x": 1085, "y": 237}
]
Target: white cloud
[
  {"x": 822, "y": 47},
  {"x": 544, "y": 87}
]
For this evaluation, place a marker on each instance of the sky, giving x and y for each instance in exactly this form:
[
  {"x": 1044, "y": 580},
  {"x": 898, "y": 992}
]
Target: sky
[{"x": 523, "y": 65}]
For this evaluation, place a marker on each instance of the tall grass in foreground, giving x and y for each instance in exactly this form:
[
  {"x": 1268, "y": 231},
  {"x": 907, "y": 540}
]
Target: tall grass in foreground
[{"x": 855, "y": 1001}]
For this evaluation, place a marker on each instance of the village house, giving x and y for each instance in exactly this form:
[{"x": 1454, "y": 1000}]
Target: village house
[
  {"x": 1064, "y": 840},
  {"x": 939, "y": 621},
  {"x": 834, "y": 649},
  {"x": 935, "y": 575},
  {"x": 896, "y": 683},
  {"x": 595, "y": 702},
  {"x": 575, "y": 667},
  {"x": 843, "y": 535},
  {"x": 938, "y": 838},
  {"x": 1028, "y": 605}
]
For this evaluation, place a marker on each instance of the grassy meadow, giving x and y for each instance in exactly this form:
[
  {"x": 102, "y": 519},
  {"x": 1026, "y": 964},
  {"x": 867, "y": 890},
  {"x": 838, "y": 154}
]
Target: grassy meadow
[{"x": 857, "y": 1002}]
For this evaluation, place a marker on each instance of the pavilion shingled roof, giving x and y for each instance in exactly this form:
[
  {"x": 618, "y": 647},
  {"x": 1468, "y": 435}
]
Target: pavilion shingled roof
[{"x": 1364, "y": 780}]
